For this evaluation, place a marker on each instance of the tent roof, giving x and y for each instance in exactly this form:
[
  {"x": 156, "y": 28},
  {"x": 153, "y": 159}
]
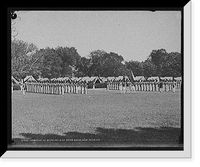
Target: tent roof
[
  {"x": 137, "y": 78},
  {"x": 153, "y": 78},
  {"x": 15, "y": 80},
  {"x": 43, "y": 79},
  {"x": 178, "y": 78},
  {"x": 120, "y": 78},
  {"x": 29, "y": 78},
  {"x": 88, "y": 79},
  {"x": 111, "y": 78},
  {"x": 103, "y": 79}
]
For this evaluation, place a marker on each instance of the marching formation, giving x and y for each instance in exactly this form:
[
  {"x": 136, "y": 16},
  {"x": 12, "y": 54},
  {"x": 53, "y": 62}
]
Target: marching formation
[
  {"x": 159, "y": 85},
  {"x": 57, "y": 87},
  {"x": 60, "y": 86}
]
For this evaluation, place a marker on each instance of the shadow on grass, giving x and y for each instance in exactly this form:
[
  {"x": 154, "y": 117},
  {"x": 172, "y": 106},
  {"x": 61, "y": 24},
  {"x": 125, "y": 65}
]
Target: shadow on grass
[{"x": 105, "y": 137}]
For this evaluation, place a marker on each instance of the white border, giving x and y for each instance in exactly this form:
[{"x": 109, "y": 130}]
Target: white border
[{"x": 137, "y": 154}]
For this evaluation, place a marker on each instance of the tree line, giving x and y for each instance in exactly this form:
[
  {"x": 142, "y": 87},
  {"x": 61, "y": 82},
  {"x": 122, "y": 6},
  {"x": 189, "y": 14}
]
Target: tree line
[{"x": 27, "y": 59}]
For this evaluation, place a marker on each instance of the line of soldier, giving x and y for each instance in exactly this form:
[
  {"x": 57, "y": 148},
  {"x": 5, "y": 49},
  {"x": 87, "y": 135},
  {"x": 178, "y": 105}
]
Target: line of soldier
[
  {"x": 56, "y": 87},
  {"x": 124, "y": 86},
  {"x": 128, "y": 86}
]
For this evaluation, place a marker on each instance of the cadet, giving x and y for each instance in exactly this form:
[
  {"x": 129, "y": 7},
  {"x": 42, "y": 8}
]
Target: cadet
[
  {"x": 160, "y": 86},
  {"x": 120, "y": 86},
  {"x": 133, "y": 87},
  {"x": 128, "y": 86},
  {"x": 85, "y": 87},
  {"x": 174, "y": 86},
  {"x": 63, "y": 88}
]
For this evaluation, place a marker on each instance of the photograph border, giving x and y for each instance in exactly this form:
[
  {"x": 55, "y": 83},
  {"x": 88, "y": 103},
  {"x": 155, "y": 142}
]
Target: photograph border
[{"x": 128, "y": 153}]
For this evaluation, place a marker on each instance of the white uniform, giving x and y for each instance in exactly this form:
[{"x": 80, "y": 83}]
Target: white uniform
[
  {"x": 133, "y": 88},
  {"x": 120, "y": 87},
  {"x": 174, "y": 87}
]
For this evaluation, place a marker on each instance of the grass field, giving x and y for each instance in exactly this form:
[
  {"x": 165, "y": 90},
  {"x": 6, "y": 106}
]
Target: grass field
[{"x": 105, "y": 116}]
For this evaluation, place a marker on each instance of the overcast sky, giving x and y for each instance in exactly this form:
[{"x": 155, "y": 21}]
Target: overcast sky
[{"x": 132, "y": 34}]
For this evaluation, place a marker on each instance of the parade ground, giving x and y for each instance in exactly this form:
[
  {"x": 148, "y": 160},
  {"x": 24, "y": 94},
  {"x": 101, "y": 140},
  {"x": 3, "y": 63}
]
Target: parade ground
[{"x": 99, "y": 117}]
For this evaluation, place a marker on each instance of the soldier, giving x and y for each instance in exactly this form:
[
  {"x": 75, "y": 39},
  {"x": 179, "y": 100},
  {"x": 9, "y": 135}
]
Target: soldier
[
  {"x": 120, "y": 86},
  {"x": 164, "y": 85},
  {"x": 45, "y": 87},
  {"x": 60, "y": 87},
  {"x": 154, "y": 85},
  {"x": 170, "y": 86},
  {"x": 161, "y": 86},
  {"x": 79, "y": 87},
  {"x": 70, "y": 87},
  {"x": 85, "y": 87},
  {"x": 76, "y": 87},
  {"x": 57, "y": 87},
  {"x": 53, "y": 87},
  {"x": 124, "y": 85},
  {"x": 63, "y": 87},
  {"x": 67, "y": 86},
  {"x": 151, "y": 85},
  {"x": 174, "y": 86},
  {"x": 23, "y": 88},
  {"x": 133, "y": 87},
  {"x": 147, "y": 86},
  {"x": 48, "y": 87},
  {"x": 128, "y": 86},
  {"x": 136, "y": 85}
]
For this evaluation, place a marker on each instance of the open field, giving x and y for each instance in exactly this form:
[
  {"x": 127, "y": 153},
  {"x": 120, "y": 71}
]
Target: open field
[{"x": 141, "y": 117}]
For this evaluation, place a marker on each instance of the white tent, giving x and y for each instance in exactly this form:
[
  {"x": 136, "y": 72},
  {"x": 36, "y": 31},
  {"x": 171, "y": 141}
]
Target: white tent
[
  {"x": 121, "y": 78},
  {"x": 178, "y": 78},
  {"x": 110, "y": 78},
  {"x": 103, "y": 79},
  {"x": 139, "y": 78},
  {"x": 15, "y": 80},
  {"x": 43, "y": 79},
  {"x": 153, "y": 78},
  {"x": 29, "y": 79}
]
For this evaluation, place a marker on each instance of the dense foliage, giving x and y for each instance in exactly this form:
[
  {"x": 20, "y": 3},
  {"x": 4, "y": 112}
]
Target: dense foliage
[{"x": 27, "y": 59}]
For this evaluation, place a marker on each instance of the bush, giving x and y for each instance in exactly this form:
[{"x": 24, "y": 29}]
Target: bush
[{"x": 16, "y": 87}]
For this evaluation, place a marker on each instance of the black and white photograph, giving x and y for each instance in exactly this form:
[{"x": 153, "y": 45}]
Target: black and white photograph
[{"x": 97, "y": 79}]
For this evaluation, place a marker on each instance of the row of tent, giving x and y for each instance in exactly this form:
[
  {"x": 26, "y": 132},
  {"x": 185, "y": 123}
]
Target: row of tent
[{"x": 96, "y": 79}]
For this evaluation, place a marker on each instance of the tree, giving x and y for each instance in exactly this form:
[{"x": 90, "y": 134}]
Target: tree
[
  {"x": 175, "y": 64},
  {"x": 51, "y": 64},
  {"x": 82, "y": 67},
  {"x": 149, "y": 69},
  {"x": 69, "y": 57},
  {"x": 157, "y": 57},
  {"x": 166, "y": 64},
  {"x": 105, "y": 64},
  {"x": 135, "y": 67},
  {"x": 20, "y": 58}
]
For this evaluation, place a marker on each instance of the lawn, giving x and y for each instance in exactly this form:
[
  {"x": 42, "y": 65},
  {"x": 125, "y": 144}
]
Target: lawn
[{"x": 105, "y": 116}]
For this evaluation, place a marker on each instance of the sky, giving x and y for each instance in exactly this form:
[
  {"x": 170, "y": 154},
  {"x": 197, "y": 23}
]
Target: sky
[{"x": 131, "y": 34}]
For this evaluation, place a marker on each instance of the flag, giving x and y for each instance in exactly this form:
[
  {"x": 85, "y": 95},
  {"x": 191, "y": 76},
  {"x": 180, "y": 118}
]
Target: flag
[{"x": 133, "y": 77}]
